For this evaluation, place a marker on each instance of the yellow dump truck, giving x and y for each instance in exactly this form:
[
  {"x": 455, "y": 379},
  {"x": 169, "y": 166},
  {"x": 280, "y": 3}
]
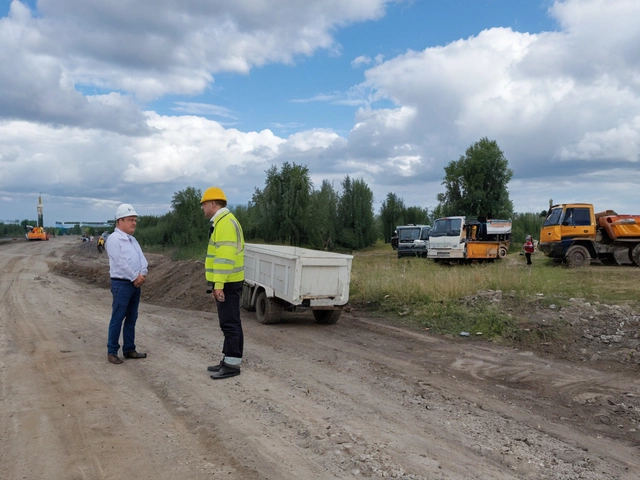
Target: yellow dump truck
[{"x": 574, "y": 233}]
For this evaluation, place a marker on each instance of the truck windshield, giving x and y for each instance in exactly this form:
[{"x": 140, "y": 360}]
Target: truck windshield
[
  {"x": 554, "y": 217},
  {"x": 446, "y": 227},
  {"x": 408, "y": 234},
  {"x": 425, "y": 233}
]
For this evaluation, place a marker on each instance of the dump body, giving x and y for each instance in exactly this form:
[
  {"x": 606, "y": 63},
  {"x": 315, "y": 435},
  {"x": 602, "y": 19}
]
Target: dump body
[
  {"x": 620, "y": 227},
  {"x": 295, "y": 277},
  {"x": 573, "y": 232}
]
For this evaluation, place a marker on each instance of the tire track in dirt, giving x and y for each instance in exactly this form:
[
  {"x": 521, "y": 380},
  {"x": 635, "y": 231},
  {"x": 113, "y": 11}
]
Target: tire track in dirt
[
  {"x": 66, "y": 420},
  {"x": 355, "y": 399}
]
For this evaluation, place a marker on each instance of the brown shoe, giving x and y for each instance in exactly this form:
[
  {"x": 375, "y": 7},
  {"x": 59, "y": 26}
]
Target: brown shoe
[
  {"x": 135, "y": 354},
  {"x": 114, "y": 359}
]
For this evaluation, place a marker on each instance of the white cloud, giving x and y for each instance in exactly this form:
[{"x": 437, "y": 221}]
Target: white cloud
[
  {"x": 361, "y": 60},
  {"x": 561, "y": 104},
  {"x": 203, "y": 109}
]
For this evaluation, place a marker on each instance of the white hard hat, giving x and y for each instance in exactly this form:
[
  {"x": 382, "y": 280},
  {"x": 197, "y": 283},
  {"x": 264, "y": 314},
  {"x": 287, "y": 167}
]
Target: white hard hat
[{"x": 125, "y": 210}]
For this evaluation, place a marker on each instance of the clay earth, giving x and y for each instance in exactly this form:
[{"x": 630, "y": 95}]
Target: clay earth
[{"x": 367, "y": 397}]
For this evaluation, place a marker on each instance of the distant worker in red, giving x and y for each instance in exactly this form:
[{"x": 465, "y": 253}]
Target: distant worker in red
[
  {"x": 128, "y": 270},
  {"x": 224, "y": 269},
  {"x": 528, "y": 248}
]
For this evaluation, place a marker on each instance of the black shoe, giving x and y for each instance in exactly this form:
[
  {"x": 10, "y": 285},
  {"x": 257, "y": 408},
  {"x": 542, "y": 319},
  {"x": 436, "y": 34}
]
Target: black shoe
[
  {"x": 135, "y": 354},
  {"x": 225, "y": 372},
  {"x": 215, "y": 368}
]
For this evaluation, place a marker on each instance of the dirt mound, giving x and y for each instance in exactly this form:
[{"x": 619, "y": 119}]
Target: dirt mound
[
  {"x": 173, "y": 284},
  {"x": 579, "y": 331}
]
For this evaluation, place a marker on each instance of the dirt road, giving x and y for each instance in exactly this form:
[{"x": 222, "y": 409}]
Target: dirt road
[{"x": 359, "y": 399}]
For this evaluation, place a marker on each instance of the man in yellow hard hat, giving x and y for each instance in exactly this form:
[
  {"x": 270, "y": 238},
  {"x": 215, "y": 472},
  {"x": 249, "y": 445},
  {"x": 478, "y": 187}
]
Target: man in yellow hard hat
[{"x": 224, "y": 269}]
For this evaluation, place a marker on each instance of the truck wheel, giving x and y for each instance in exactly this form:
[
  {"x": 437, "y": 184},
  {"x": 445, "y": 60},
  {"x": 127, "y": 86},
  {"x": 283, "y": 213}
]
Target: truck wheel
[
  {"x": 327, "y": 317},
  {"x": 502, "y": 251},
  {"x": 246, "y": 298},
  {"x": 268, "y": 310},
  {"x": 635, "y": 255},
  {"x": 578, "y": 256}
]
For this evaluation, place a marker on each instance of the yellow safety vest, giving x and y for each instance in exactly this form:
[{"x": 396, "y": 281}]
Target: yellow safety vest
[{"x": 225, "y": 254}]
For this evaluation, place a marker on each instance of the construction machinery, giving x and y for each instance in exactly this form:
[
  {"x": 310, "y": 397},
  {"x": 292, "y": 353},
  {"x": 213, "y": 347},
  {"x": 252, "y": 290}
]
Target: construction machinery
[
  {"x": 574, "y": 233},
  {"x": 461, "y": 240},
  {"x": 38, "y": 232},
  {"x": 413, "y": 240}
]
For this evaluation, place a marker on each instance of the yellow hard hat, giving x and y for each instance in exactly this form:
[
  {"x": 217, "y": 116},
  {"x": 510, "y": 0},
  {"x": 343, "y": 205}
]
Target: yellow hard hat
[{"x": 213, "y": 193}]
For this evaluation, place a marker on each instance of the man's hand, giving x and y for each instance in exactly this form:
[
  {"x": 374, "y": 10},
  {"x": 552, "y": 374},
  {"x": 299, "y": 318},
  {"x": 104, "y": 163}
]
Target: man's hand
[
  {"x": 139, "y": 281},
  {"x": 218, "y": 295}
]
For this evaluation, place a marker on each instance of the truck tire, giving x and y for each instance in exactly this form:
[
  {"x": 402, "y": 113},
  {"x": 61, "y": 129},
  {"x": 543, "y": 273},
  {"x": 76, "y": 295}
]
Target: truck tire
[
  {"x": 635, "y": 254},
  {"x": 246, "y": 298},
  {"x": 578, "y": 256},
  {"x": 502, "y": 251},
  {"x": 327, "y": 317},
  {"x": 268, "y": 310}
]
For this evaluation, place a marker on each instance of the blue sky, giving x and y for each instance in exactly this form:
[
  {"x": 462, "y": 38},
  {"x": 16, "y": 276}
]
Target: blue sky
[{"x": 134, "y": 100}]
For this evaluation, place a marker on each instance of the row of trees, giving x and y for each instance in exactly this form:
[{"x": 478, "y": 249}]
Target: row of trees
[{"x": 288, "y": 210}]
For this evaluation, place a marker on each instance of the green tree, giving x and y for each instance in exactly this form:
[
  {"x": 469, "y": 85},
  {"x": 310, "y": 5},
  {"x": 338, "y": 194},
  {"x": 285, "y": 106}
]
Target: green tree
[
  {"x": 188, "y": 225},
  {"x": 155, "y": 230},
  {"x": 283, "y": 204},
  {"x": 356, "y": 224},
  {"x": 416, "y": 215},
  {"x": 476, "y": 184},
  {"x": 322, "y": 218},
  {"x": 391, "y": 215},
  {"x": 246, "y": 216},
  {"x": 526, "y": 224}
]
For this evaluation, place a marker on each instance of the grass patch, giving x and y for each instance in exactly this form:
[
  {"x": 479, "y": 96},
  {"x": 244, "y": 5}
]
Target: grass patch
[
  {"x": 189, "y": 253},
  {"x": 428, "y": 294}
]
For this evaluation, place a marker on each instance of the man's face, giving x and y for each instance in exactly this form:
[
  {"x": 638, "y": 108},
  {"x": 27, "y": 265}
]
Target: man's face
[
  {"x": 209, "y": 209},
  {"x": 128, "y": 224}
]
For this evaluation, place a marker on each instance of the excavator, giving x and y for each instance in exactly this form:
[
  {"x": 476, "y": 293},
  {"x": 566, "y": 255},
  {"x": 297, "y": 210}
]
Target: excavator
[{"x": 38, "y": 232}]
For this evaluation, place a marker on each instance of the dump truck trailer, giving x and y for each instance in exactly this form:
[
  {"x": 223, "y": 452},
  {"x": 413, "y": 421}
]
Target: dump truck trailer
[
  {"x": 280, "y": 277},
  {"x": 574, "y": 233}
]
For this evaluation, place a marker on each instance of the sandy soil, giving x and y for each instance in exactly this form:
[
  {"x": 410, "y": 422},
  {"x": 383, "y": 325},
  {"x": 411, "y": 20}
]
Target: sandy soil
[{"x": 359, "y": 399}]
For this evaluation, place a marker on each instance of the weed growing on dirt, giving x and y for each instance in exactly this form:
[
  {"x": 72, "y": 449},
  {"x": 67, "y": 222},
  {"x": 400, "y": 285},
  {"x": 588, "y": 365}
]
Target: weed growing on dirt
[{"x": 429, "y": 294}]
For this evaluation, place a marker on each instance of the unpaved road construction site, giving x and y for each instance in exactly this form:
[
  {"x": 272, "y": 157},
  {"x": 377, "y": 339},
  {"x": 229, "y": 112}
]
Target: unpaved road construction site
[{"x": 359, "y": 399}]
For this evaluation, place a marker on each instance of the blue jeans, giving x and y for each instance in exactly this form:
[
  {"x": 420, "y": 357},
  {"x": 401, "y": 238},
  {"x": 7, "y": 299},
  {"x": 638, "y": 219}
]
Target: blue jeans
[{"x": 126, "y": 298}]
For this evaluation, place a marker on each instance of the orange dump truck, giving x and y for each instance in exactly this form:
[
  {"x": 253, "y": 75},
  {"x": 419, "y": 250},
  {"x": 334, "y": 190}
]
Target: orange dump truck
[{"x": 575, "y": 233}]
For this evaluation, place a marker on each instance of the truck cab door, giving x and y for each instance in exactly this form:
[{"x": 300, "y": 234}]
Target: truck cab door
[{"x": 578, "y": 222}]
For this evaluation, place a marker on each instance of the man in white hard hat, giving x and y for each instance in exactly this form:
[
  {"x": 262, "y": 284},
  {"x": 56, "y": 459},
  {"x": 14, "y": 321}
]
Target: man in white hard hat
[{"x": 128, "y": 269}]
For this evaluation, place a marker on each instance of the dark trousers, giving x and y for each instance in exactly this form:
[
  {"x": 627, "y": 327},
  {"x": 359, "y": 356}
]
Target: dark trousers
[
  {"x": 528, "y": 255},
  {"x": 229, "y": 317},
  {"x": 126, "y": 298}
]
